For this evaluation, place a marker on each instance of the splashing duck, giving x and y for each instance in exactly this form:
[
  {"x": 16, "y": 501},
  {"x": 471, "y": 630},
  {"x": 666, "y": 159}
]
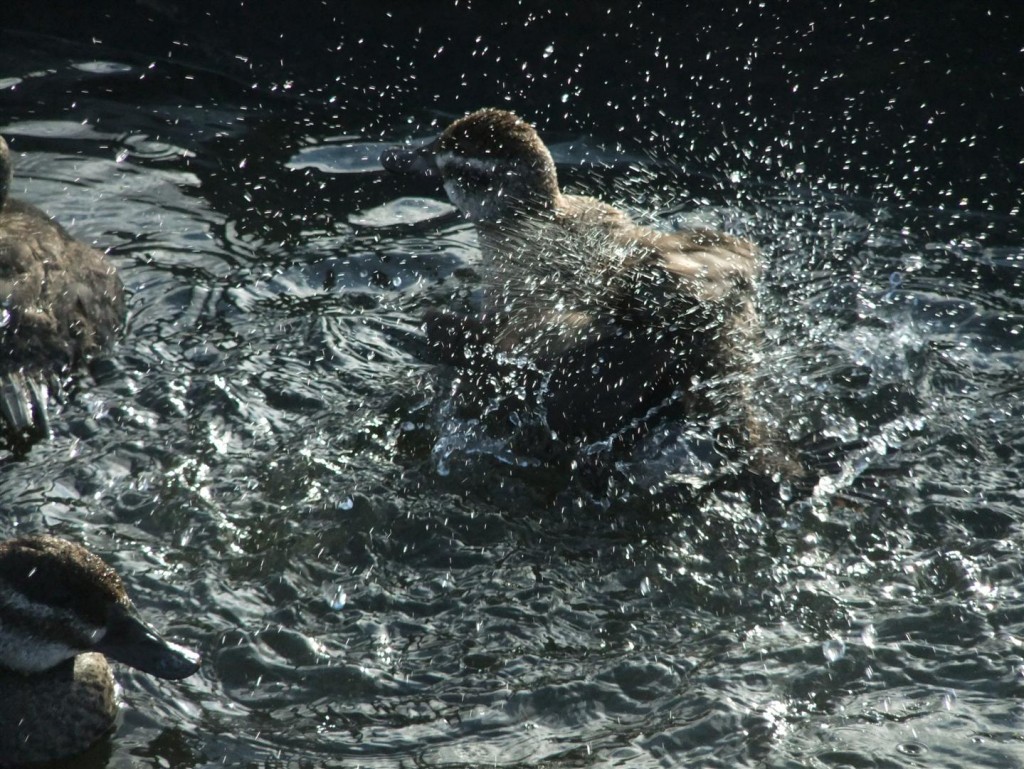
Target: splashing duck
[
  {"x": 63, "y": 611},
  {"x": 623, "y": 316},
  {"x": 60, "y": 303}
]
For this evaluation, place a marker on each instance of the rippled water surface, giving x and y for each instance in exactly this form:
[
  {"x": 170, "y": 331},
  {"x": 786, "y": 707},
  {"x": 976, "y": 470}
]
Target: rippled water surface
[{"x": 376, "y": 581}]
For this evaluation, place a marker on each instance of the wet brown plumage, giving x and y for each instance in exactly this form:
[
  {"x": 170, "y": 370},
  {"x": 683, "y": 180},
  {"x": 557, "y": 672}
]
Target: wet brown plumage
[
  {"x": 60, "y": 303},
  {"x": 621, "y": 314}
]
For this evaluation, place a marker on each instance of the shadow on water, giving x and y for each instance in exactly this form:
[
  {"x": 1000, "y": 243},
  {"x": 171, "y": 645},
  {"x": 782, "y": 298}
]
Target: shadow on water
[{"x": 260, "y": 456}]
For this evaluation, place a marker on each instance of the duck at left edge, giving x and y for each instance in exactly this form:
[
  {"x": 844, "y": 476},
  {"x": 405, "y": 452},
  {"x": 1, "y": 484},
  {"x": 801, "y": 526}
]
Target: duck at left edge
[
  {"x": 626, "y": 326},
  {"x": 63, "y": 613},
  {"x": 61, "y": 303}
]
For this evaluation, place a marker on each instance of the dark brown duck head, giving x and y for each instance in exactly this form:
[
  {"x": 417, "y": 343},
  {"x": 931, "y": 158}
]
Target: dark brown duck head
[
  {"x": 492, "y": 163},
  {"x": 58, "y": 600}
]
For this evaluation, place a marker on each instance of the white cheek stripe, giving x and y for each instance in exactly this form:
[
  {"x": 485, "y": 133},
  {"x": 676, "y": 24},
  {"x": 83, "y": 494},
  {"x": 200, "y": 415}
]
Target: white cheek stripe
[
  {"x": 30, "y": 655},
  {"x": 475, "y": 207}
]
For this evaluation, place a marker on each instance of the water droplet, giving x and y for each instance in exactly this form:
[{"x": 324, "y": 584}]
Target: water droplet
[
  {"x": 645, "y": 586},
  {"x": 833, "y": 649},
  {"x": 949, "y": 699},
  {"x": 912, "y": 748},
  {"x": 121, "y": 156},
  {"x": 335, "y": 596},
  {"x": 346, "y": 504},
  {"x": 867, "y": 636}
]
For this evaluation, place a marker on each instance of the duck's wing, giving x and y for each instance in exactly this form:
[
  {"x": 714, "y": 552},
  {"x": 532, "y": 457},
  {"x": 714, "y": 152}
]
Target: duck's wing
[{"x": 708, "y": 265}]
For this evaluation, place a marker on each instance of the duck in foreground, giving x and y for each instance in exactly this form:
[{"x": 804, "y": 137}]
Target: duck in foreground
[
  {"x": 61, "y": 610},
  {"x": 60, "y": 302},
  {"x": 622, "y": 316}
]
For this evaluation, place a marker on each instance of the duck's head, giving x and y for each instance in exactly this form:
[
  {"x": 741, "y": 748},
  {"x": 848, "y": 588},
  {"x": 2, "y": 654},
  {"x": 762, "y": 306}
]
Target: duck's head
[
  {"x": 492, "y": 163},
  {"x": 58, "y": 599},
  {"x": 6, "y": 172}
]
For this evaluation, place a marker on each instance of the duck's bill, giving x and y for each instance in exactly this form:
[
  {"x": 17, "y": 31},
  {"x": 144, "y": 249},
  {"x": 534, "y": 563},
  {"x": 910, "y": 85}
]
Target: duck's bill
[
  {"x": 131, "y": 641},
  {"x": 411, "y": 160}
]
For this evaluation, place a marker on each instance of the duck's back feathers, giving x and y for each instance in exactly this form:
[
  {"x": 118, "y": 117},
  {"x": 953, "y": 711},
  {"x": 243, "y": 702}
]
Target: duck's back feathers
[
  {"x": 60, "y": 303},
  {"x": 710, "y": 265},
  {"x": 61, "y": 300},
  {"x": 702, "y": 264}
]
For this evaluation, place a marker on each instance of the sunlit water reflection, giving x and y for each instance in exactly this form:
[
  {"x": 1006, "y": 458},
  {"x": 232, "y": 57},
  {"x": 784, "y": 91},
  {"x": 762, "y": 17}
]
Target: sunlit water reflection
[{"x": 272, "y": 467}]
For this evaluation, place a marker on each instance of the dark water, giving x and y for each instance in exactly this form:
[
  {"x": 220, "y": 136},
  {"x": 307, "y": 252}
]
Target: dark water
[{"x": 377, "y": 581}]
